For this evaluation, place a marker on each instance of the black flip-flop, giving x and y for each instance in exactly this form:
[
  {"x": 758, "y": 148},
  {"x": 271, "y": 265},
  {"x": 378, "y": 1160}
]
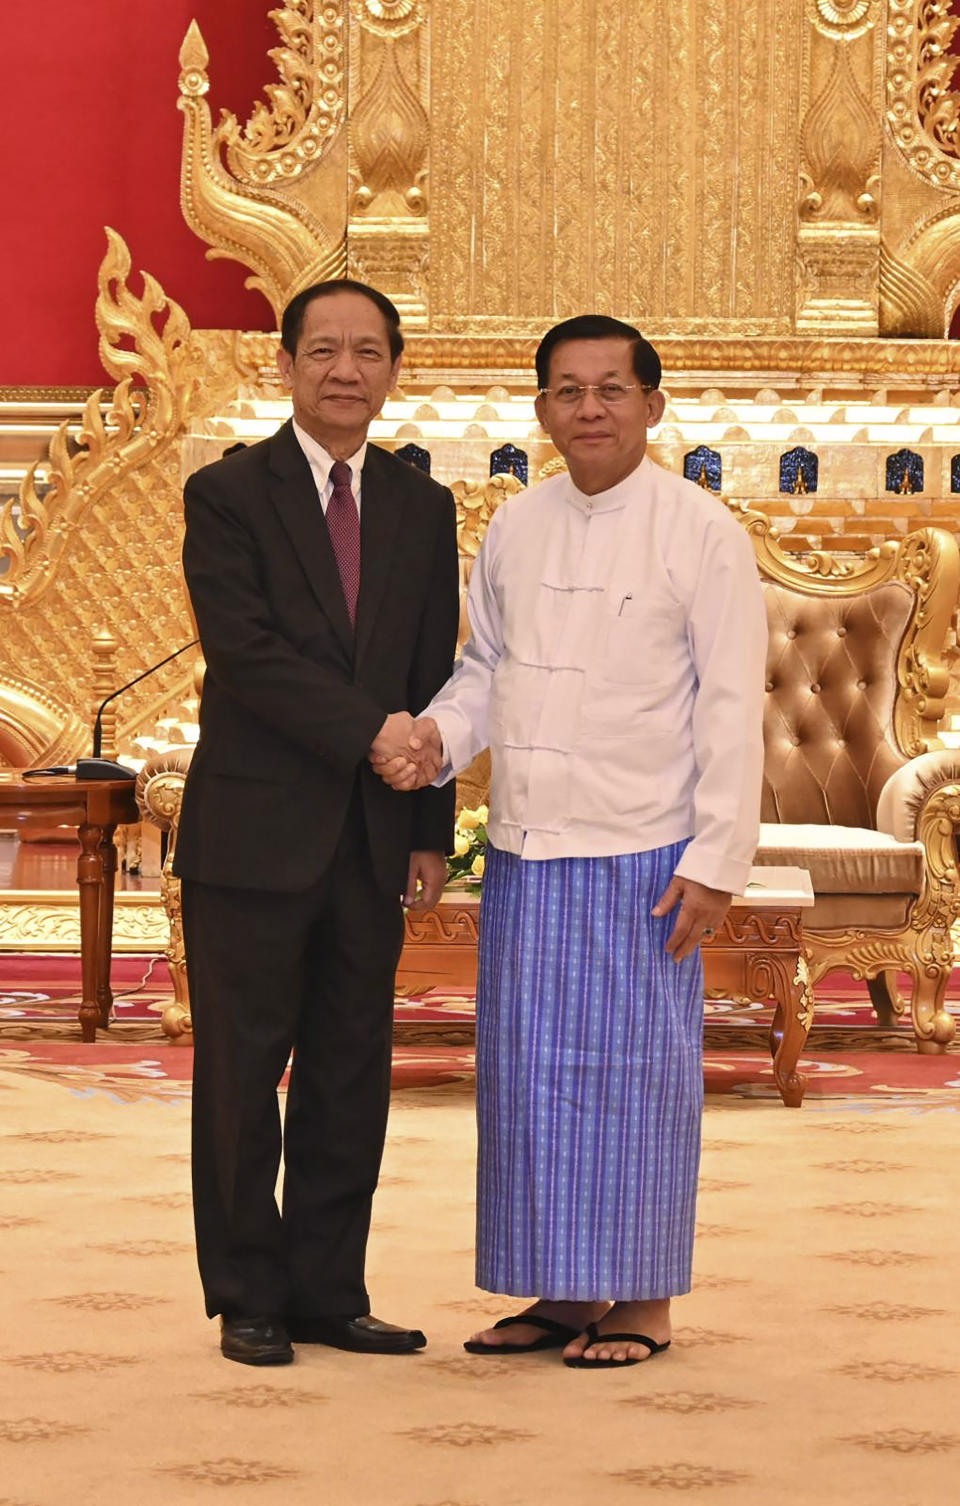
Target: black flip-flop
[
  {"x": 555, "y": 1336},
  {"x": 580, "y": 1362}
]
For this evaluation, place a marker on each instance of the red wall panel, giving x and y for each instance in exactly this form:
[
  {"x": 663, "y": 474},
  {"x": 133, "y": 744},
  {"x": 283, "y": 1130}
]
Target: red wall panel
[{"x": 92, "y": 138}]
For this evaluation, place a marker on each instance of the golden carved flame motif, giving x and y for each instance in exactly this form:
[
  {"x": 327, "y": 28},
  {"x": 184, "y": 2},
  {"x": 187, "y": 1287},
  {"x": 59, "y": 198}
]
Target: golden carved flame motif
[
  {"x": 841, "y": 140},
  {"x": 276, "y": 205},
  {"x": 922, "y": 111},
  {"x": 137, "y": 423},
  {"x": 305, "y": 108},
  {"x": 390, "y": 133},
  {"x": 937, "y": 106}
]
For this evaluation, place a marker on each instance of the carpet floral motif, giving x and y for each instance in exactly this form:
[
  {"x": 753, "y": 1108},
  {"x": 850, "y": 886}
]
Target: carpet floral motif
[
  {"x": 869, "y": 1209},
  {"x": 687, "y": 1403},
  {"x": 886, "y": 1312},
  {"x": 108, "y": 1302},
  {"x": 70, "y": 1361},
  {"x": 37, "y": 1430},
  {"x": 861, "y": 1167},
  {"x": 876, "y": 1258},
  {"x": 145, "y": 1249},
  {"x": 466, "y": 1435},
  {"x": 896, "y": 1371},
  {"x": 463, "y": 1368},
  {"x": 906, "y": 1441},
  {"x": 681, "y": 1476},
  {"x": 230, "y": 1471},
  {"x": 257, "y": 1398},
  {"x": 28, "y": 1176},
  {"x": 162, "y": 1199},
  {"x": 706, "y": 1338}
]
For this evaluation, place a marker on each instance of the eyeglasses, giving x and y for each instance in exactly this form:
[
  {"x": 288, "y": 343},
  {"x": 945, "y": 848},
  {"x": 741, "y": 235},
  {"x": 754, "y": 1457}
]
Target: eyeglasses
[{"x": 608, "y": 393}]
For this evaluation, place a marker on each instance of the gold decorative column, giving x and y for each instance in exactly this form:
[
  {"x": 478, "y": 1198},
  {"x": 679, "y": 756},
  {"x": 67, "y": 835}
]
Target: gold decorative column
[
  {"x": 388, "y": 232},
  {"x": 920, "y": 268},
  {"x": 105, "y": 681},
  {"x": 838, "y": 236}
]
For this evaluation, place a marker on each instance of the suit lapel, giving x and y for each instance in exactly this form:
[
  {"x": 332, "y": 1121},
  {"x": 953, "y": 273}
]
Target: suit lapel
[
  {"x": 294, "y": 495},
  {"x": 381, "y": 512}
]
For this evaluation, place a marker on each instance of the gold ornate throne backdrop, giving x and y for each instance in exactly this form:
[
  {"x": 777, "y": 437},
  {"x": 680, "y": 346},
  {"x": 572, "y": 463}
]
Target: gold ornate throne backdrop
[{"x": 772, "y": 188}]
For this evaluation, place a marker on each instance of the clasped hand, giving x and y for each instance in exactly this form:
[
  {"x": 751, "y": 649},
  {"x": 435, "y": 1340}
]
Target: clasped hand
[{"x": 407, "y": 754}]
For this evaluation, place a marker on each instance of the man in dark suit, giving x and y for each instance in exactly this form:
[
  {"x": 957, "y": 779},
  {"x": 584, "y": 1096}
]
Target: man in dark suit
[{"x": 323, "y": 576}]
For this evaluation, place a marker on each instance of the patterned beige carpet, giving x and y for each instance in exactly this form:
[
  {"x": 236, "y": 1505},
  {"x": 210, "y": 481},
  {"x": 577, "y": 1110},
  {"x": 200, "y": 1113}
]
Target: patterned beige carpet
[{"x": 817, "y": 1360}]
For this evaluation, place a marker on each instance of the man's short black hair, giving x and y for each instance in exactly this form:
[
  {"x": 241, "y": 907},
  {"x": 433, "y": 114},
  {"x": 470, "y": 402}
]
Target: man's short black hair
[
  {"x": 646, "y": 362},
  {"x": 291, "y": 325}
]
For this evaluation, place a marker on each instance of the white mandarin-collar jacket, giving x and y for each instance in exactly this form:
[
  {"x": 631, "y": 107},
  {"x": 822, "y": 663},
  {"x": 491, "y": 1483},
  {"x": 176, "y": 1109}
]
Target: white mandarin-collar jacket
[{"x": 616, "y": 670}]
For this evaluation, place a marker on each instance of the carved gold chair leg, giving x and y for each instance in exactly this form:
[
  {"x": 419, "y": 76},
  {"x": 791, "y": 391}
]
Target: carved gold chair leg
[
  {"x": 159, "y": 792},
  {"x": 933, "y": 1026},
  {"x": 886, "y": 998},
  {"x": 176, "y": 1020}
]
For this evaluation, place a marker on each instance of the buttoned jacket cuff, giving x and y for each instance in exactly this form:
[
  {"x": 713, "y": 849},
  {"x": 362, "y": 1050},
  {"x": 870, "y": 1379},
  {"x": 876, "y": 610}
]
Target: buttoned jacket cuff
[
  {"x": 714, "y": 869},
  {"x": 455, "y": 736}
]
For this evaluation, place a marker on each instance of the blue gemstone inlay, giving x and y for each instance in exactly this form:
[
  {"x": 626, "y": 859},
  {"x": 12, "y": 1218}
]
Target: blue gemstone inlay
[
  {"x": 905, "y": 472},
  {"x": 704, "y": 466},
  {"x": 415, "y": 454},
  {"x": 799, "y": 470},
  {"x": 509, "y": 461}
]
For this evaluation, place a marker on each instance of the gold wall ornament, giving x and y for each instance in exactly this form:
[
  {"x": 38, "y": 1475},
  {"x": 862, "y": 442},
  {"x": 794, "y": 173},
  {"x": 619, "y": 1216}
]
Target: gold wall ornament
[
  {"x": 390, "y": 18},
  {"x": 389, "y": 134},
  {"x": 909, "y": 304},
  {"x": 37, "y": 728},
  {"x": 844, "y": 19},
  {"x": 94, "y": 536},
  {"x": 559, "y": 186},
  {"x": 841, "y": 150},
  {"x": 923, "y": 113},
  {"x": 306, "y": 108},
  {"x": 141, "y": 418},
  {"x": 838, "y": 238},
  {"x": 389, "y": 231},
  {"x": 277, "y": 205}
]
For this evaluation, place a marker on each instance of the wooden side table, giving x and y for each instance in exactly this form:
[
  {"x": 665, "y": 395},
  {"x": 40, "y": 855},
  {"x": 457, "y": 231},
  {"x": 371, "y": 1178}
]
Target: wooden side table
[
  {"x": 96, "y": 807},
  {"x": 756, "y": 954}
]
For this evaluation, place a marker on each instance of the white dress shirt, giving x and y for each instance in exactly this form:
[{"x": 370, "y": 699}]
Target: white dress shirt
[
  {"x": 321, "y": 463},
  {"x": 616, "y": 671}
]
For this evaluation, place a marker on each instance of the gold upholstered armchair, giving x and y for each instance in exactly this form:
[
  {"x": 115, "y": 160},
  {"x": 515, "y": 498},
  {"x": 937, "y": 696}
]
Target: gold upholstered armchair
[{"x": 858, "y": 788}]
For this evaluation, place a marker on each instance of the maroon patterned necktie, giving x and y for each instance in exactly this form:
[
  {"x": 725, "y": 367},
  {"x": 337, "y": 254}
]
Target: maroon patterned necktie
[{"x": 343, "y": 523}]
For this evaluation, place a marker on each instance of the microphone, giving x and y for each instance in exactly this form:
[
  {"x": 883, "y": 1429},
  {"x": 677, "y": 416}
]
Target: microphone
[
  {"x": 97, "y": 767},
  {"x": 105, "y": 768}
]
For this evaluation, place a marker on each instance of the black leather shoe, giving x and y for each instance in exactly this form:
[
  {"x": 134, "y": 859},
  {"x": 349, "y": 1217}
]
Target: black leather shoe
[
  {"x": 255, "y": 1341},
  {"x": 363, "y": 1335}
]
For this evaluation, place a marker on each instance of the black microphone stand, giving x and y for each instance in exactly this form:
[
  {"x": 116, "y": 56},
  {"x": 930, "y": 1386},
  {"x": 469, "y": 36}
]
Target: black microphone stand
[{"x": 105, "y": 768}]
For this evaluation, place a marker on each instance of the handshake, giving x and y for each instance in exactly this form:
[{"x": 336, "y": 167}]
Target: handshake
[{"x": 407, "y": 754}]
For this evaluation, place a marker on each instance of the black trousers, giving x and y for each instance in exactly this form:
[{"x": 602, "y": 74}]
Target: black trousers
[{"x": 269, "y": 972}]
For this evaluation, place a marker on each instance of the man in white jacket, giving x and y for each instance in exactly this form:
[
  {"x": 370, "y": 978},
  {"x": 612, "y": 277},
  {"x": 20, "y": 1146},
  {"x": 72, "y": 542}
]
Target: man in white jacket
[{"x": 615, "y": 669}]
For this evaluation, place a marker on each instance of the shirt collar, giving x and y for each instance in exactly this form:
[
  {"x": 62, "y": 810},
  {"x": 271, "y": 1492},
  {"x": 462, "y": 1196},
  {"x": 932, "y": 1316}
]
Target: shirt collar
[
  {"x": 616, "y": 497},
  {"x": 321, "y": 460}
]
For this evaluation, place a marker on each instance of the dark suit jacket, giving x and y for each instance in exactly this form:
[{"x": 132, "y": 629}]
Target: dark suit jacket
[{"x": 292, "y": 697}]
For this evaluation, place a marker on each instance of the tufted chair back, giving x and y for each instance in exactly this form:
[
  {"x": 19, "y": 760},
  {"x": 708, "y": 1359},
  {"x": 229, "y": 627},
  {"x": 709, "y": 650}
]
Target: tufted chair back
[{"x": 831, "y": 687}]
